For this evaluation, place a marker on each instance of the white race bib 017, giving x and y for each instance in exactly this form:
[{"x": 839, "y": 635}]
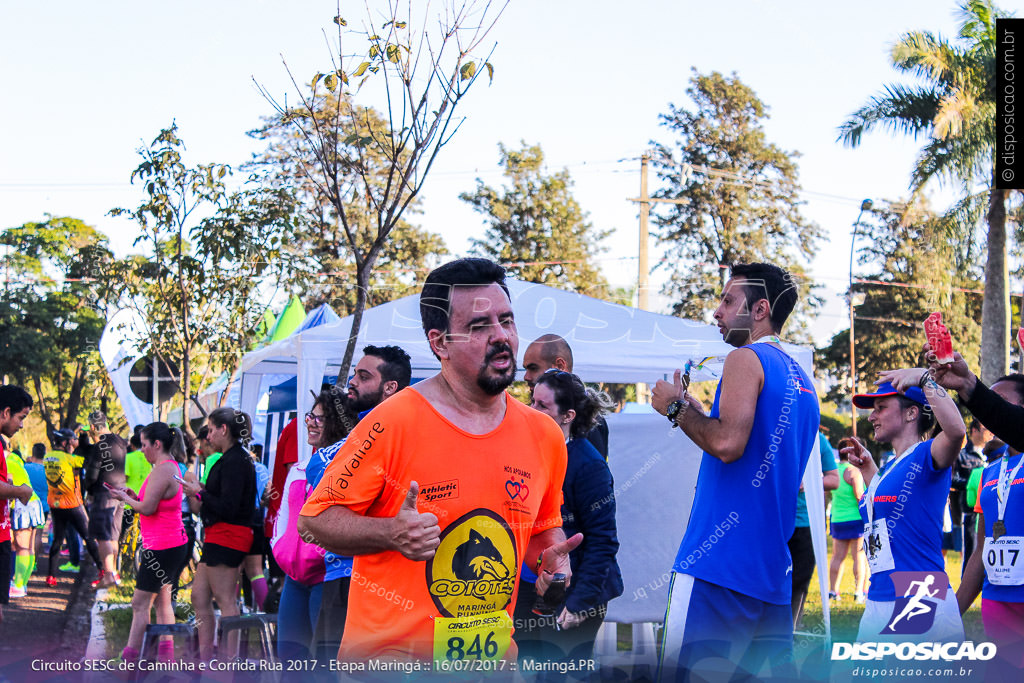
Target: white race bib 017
[
  {"x": 877, "y": 548},
  {"x": 1004, "y": 560}
]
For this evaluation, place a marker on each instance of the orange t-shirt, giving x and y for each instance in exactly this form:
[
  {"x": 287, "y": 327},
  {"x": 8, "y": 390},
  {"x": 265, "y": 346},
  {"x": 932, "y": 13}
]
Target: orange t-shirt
[
  {"x": 490, "y": 492},
  {"x": 65, "y": 488}
]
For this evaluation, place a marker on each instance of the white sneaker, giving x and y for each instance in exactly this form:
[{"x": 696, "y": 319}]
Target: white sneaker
[
  {"x": 861, "y": 598},
  {"x": 18, "y": 591}
]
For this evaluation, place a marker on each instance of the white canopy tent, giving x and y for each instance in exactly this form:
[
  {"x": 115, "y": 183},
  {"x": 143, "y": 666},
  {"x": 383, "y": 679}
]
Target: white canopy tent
[{"x": 610, "y": 343}]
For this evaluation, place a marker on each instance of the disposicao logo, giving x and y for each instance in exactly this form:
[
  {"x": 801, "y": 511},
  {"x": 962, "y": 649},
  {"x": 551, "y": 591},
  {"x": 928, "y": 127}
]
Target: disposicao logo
[
  {"x": 914, "y": 613},
  {"x": 947, "y": 652}
]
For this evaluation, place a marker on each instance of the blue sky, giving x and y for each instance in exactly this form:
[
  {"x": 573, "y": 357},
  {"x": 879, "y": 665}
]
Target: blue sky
[{"x": 86, "y": 84}]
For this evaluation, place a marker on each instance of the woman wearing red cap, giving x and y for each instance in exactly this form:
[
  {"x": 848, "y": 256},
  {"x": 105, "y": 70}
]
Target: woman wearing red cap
[{"x": 903, "y": 509}]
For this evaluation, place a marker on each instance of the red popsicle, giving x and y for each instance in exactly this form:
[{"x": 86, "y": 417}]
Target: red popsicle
[{"x": 938, "y": 338}]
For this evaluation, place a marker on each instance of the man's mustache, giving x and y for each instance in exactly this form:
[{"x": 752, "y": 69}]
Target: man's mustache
[{"x": 495, "y": 350}]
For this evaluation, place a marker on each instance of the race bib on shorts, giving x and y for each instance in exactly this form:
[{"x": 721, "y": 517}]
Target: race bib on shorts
[
  {"x": 877, "y": 548},
  {"x": 1004, "y": 565}
]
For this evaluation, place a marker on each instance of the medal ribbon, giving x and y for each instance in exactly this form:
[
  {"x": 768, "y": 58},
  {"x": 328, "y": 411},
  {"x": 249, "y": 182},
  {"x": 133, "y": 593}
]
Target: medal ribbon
[
  {"x": 877, "y": 481},
  {"x": 769, "y": 339},
  {"x": 1004, "y": 484},
  {"x": 703, "y": 363}
]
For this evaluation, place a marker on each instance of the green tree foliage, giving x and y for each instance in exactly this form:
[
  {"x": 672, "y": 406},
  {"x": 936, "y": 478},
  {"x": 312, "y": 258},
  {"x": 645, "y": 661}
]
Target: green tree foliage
[
  {"x": 742, "y": 202},
  {"x": 205, "y": 253},
  {"x": 56, "y": 298},
  {"x": 423, "y": 66},
  {"x": 536, "y": 226},
  {"x": 321, "y": 240},
  {"x": 909, "y": 253},
  {"x": 953, "y": 105}
]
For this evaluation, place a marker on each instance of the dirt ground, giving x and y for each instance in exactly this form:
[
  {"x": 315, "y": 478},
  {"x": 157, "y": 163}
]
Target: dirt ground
[{"x": 50, "y": 624}]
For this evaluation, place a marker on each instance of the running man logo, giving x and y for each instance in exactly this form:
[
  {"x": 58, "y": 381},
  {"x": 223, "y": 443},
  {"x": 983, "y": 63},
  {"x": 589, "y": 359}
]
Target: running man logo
[
  {"x": 473, "y": 571},
  {"x": 914, "y": 613}
]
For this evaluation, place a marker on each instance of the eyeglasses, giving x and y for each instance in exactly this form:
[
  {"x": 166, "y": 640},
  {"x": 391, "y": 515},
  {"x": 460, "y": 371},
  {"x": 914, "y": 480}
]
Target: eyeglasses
[{"x": 314, "y": 418}]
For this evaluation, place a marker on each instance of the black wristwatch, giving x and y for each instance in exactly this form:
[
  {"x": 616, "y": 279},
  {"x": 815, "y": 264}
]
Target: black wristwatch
[{"x": 673, "y": 411}]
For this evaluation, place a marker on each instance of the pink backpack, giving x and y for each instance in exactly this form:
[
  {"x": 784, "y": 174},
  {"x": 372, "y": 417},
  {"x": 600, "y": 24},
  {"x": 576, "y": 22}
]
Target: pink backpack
[{"x": 300, "y": 560}]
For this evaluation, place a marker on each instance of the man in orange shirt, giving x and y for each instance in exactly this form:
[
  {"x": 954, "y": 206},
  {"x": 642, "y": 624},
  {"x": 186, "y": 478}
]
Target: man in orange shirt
[{"x": 445, "y": 489}]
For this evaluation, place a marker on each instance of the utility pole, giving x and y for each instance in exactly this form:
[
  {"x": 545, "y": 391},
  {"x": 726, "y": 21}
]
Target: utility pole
[
  {"x": 864, "y": 206},
  {"x": 643, "y": 281},
  {"x": 643, "y": 270}
]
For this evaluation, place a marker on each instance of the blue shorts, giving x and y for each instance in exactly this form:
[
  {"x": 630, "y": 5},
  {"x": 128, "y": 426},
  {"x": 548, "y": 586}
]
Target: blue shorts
[
  {"x": 845, "y": 531},
  {"x": 712, "y": 631}
]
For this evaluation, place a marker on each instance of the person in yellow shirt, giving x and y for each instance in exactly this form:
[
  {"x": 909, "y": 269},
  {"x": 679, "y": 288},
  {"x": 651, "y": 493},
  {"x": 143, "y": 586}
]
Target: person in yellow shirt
[
  {"x": 25, "y": 519},
  {"x": 65, "y": 498}
]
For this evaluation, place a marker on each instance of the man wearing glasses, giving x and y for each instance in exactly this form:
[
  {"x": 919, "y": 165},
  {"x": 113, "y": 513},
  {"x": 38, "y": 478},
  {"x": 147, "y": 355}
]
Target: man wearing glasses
[{"x": 445, "y": 490}]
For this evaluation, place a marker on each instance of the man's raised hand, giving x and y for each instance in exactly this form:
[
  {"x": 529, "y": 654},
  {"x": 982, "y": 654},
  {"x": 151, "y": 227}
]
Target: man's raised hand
[
  {"x": 555, "y": 560},
  {"x": 416, "y": 535},
  {"x": 665, "y": 393}
]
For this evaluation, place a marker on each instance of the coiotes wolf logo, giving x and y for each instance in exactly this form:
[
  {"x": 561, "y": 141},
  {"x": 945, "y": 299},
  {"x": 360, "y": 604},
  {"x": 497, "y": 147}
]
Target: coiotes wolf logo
[
  {"x": 474, "y": 569},
  {"x": 478, "y": 559}
]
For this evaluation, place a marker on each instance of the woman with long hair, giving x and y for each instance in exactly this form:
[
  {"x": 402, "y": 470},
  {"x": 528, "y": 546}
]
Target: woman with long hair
[
  {"x": 327, "y": 425},
  {"x": 225, "y": 505},
  {"x": 904, "y": 503},
  {"x": 158, "y": 506},
  {"x": 588, "y": 507}
]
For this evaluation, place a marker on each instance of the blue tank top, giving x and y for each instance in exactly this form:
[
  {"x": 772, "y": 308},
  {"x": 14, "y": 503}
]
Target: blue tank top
[
  {"x": 911, "y": 499},
  {"x": 743, "y": 512},
  {"x": 335, "y": 566},
  {"x": 1013, "y": 519}
]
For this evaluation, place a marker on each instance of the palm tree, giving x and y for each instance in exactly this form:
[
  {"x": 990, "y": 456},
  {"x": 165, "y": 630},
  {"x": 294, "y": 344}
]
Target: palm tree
[{"x": 955, "y": 107}]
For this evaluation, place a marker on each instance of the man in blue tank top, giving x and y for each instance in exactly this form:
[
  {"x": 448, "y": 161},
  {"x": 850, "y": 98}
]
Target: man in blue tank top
[{"x": 729, "y": 601}]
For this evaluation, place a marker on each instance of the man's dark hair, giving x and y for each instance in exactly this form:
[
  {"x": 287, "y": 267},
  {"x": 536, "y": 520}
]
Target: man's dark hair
[
  {"x": 136, "y": 440},
  {"x": 768, "y": 281},
  {"x": 436, "y": 297},
  {"x": 14, "y": 397},
  {"x": 395, "y": 366},
  {"x": 1017, "y": 380},
  {"x": 61, "y": 437},
  {"x": 39, "y": 450}
]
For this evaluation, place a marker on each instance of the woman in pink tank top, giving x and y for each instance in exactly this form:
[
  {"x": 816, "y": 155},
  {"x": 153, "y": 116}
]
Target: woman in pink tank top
[{"x": 164, "y": 543}]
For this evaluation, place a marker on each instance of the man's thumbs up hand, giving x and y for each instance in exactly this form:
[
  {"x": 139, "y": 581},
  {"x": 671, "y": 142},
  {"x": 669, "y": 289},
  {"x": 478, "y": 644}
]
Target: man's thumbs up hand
[{"x": 416, "y": 535}]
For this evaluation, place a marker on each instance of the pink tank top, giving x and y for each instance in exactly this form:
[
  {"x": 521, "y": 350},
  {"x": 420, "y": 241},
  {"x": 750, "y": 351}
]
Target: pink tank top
[{"x": 164, "y": 528}]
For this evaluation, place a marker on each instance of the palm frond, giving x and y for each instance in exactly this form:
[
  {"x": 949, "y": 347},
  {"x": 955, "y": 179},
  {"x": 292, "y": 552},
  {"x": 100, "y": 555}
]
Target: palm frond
[
  {"x": 978, "y": 19},
  {"x": 902, "y": 109},
  {"x": 961, "y": 222},
  {"x": 954, "y": 110},
  {"x": 928, "y": 56}
]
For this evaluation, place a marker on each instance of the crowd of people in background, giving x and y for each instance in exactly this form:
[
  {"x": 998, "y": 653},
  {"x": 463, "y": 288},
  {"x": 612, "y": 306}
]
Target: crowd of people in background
[{"x": 400, "y": 491}]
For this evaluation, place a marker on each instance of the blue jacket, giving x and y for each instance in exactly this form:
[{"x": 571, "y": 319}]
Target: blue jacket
[{"x": 589, "y": 507}]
